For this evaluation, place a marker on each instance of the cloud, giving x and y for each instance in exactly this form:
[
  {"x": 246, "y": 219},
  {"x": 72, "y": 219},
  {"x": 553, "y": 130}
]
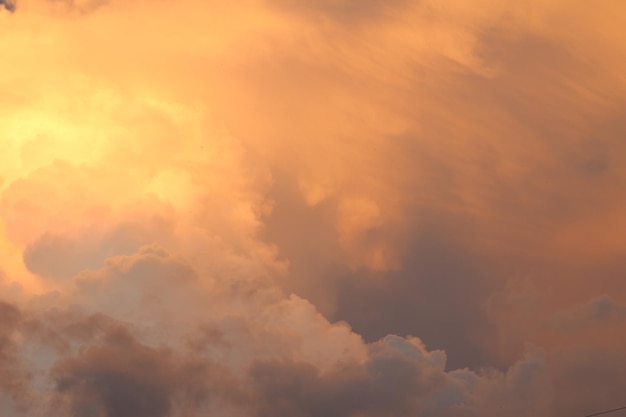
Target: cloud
[
  {"x": 276, "y": 186},
  {"x": 389, "y": 383},
  {"x": 121, "y": 377},
  {"x": 439, "y": 284},
  {"x": 14, "y": 383},
  {"x": 81, "y": 364},
  {"x": 94, "y": 381},
  {"x": 401, "y": 378},
  {"x": 586, "y": 379},
  {"x": 240, "y": 351},
  {"x": 8, "y": 5},
  {"x": 600, "y": 310},
  {"x": 346, "y": 12}
]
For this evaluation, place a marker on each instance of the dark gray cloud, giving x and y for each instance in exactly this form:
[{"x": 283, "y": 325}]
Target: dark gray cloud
[
  {"x": 605, "y": 308},
  {"x": 13, "y": 377},
  {"x": 342, "y": 11},
  {"x": 9, "y": 5},
  {"x": 92, "y": 365},
  {"x": 315, "y": 261},
  {"x": 81, "y": 6},
  {"x": 399, "y": 379},
  {"x": 120, "y": 378},
  {"x": 439, "y": 295},
  {"x": 390, "y": 383},
  {"x": 600, "y": 311}
]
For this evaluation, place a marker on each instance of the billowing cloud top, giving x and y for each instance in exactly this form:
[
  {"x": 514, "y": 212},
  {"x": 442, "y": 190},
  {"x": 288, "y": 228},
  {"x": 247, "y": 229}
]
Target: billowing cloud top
[{"x": 331, "y": 208}]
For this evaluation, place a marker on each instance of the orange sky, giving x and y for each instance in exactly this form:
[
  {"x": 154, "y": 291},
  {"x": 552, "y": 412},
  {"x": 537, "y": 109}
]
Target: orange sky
[{"x": 285, "y": 207}]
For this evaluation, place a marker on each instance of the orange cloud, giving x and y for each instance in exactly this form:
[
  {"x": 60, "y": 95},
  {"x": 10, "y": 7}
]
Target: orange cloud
[{"x": 224, "y": 190}]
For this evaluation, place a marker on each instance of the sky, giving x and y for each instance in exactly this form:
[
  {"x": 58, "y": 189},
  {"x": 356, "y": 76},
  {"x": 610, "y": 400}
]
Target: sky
[{"x": 330, "y": 208}]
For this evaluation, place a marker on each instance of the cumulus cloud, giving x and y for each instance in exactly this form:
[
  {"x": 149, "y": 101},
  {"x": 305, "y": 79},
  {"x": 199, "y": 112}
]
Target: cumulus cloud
[
  {"x": 291, "y": 208},
  {"x": 80, "y": 364},
  {"x": 121, "y": 377}
]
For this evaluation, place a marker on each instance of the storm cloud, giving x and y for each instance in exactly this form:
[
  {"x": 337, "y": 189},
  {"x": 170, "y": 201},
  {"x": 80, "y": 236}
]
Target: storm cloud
[{"x": 332, "y": 208}]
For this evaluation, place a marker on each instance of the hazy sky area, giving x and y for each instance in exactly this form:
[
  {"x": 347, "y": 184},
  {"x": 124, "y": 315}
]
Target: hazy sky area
[{"x": 322, "y": 208}]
